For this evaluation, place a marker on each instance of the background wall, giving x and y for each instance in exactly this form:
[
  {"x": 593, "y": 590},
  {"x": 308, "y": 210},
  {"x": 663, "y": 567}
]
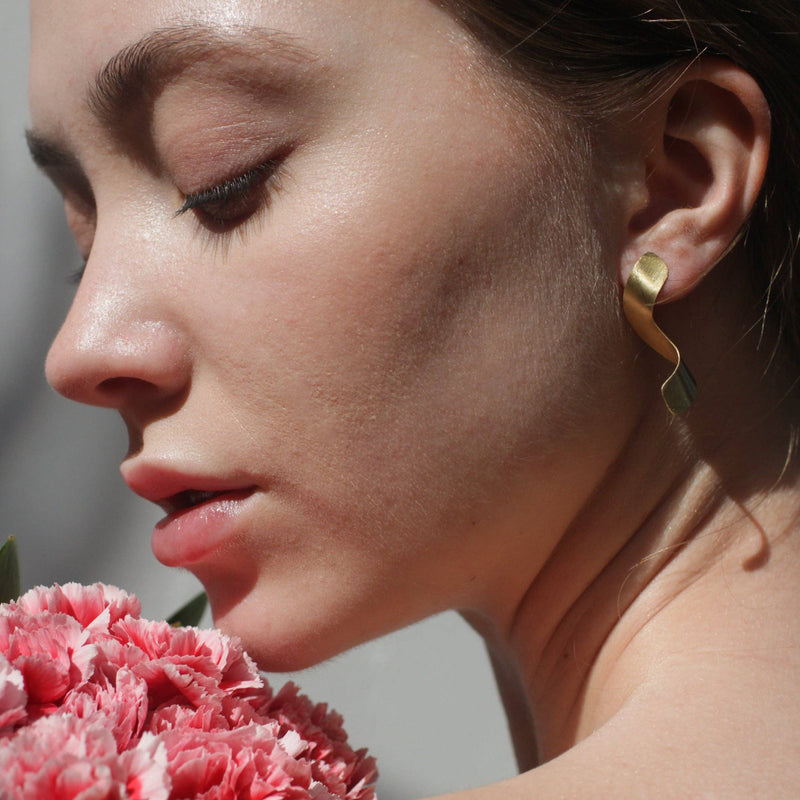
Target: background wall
[{"x": 422, "y": 700}]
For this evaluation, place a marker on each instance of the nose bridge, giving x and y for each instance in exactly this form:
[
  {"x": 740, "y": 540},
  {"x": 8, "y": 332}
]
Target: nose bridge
[{"x": 119, "y": 338}]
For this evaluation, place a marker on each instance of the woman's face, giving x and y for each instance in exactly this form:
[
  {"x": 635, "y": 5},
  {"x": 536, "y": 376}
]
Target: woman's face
[{"x": 324, "y": 290}]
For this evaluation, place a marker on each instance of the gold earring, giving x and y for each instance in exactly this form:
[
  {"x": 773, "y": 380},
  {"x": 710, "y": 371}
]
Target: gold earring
[{"x": 646, "y": 280}]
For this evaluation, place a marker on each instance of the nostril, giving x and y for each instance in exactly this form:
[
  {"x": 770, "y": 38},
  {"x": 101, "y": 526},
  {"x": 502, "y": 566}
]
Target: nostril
[
  {"x": 120, "y": 384},
  {"x": 140, "y": 398},
  {"x": 114, "y": 389}
]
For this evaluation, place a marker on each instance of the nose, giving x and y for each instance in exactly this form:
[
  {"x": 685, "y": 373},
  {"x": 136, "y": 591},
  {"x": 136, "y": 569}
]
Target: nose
[{"x": 118, "y": 349}]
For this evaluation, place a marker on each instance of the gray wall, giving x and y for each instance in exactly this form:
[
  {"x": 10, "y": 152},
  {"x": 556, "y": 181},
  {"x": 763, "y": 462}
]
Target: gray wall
[{"x": 422, "y": 700}]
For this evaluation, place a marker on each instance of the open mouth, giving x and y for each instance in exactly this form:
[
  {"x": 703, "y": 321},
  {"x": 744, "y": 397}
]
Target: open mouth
[{"x": 190, "y": 498}]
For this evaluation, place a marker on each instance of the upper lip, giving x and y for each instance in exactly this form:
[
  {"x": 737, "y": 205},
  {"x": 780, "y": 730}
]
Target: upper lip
[{"x": 173, "y": 488}]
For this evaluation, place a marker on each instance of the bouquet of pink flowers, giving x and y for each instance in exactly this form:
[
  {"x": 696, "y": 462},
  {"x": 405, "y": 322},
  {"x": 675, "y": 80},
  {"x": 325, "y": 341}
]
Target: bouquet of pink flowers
[{"x": 99, "y": 704}]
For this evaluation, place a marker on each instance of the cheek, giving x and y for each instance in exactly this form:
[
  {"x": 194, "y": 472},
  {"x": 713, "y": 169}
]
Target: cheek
[
  {"x": 394, "y": 332},
  {"x": 398, "y": 351}
]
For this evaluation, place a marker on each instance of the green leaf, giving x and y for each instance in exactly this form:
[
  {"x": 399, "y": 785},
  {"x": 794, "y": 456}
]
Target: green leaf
[
  {"x": 191, "y": 613},
  {"x": 9, "y": 571}
]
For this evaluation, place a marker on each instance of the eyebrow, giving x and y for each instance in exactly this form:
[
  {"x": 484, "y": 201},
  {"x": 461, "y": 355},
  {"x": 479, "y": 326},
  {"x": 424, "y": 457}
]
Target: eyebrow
[
  {"x": 138, "y": 72},
  {"x": 47, "y": 154}
]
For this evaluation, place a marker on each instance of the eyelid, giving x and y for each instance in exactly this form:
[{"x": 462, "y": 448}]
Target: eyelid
[{"x": 229, "y": 189}]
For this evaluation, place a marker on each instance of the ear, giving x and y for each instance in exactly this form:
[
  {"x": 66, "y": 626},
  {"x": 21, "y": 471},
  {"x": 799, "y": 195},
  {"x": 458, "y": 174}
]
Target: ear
[{"x": 701, "y": 158}]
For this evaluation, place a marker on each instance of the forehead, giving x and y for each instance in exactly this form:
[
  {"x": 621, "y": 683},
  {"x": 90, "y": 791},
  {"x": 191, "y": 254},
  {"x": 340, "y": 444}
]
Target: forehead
[
  {"x": 72, "y": 40},
  {"x": 93, "y": 30}
]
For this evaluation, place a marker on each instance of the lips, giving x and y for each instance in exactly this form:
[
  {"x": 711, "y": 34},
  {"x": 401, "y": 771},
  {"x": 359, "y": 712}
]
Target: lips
[
  {"x": 175, "y": 487},
  {"x": 202, "y": 511}
]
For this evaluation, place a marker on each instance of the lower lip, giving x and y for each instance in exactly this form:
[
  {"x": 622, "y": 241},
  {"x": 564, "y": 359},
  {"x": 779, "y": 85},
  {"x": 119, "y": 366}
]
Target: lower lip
[{"x": 192, "y": 534}]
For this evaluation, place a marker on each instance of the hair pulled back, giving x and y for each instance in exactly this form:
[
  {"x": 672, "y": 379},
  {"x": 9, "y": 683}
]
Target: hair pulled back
[{"x": 601, "y": 56}]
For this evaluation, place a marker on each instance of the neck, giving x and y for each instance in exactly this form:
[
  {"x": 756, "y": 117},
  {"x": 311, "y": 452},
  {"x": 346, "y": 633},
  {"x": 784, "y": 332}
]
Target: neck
[{"x": 691, "y": 517}]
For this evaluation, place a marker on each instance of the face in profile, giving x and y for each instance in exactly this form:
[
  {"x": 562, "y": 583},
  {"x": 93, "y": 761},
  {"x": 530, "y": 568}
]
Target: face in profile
[{"x": 322, "y": 290}]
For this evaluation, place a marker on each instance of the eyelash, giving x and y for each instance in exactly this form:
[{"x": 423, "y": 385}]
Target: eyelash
[
  {"x": 232, "y": 202},
  {"x": 250, "y": 191}
]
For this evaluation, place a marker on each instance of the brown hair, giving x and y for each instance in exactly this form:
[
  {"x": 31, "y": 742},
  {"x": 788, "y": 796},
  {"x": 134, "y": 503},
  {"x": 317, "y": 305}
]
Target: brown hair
[{"x": 599, "y": 56}]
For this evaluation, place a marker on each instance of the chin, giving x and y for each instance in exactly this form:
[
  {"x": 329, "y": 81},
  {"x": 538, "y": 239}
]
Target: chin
[
  {"x": 291, "y": 617},
  {"x": 280, "y": 635}
]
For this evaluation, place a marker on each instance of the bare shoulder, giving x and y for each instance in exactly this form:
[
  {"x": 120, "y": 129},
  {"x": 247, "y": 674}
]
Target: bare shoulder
[{"x": 673, "y": 751}]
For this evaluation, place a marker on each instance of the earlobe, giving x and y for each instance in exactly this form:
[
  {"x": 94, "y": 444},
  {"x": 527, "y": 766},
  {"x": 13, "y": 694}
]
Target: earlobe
[{"x": 701, "y": 170}]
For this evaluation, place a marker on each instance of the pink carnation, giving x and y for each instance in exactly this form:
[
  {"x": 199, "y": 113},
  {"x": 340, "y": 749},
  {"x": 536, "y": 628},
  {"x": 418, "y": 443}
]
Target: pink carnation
[
  {"x": 97, "y": 703},
  {"x": 245, "y": 762},
  {"x": 185, "y": 661},
  {"x": 122, "y": 706},
  {"x": 52, "y": 652},
  {"x": 345, "y": 773},
  {"x": 84, "y": 603},
  {"x": 69, "y": 759}
]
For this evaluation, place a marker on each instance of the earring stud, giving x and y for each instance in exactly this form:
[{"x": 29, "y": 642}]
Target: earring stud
[{"x": 646, "y": 280}]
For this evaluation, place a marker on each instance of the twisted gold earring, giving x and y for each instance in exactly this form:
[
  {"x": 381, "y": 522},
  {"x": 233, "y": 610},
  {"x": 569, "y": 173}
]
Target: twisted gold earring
[{"x": 646, "y": 280}]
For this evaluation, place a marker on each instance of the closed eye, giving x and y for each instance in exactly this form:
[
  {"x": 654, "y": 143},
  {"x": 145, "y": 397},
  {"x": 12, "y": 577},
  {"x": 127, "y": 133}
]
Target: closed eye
[{"x": 232, "y": 202}]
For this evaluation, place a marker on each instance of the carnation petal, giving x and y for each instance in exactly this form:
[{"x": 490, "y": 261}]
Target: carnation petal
[{"x": 13, "y": 697}]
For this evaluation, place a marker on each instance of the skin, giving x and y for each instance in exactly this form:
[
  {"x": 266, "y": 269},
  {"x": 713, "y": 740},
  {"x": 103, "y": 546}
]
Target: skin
[
  {"x": 417, "y": 359},
  {"x": 383, "y": 474}
]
